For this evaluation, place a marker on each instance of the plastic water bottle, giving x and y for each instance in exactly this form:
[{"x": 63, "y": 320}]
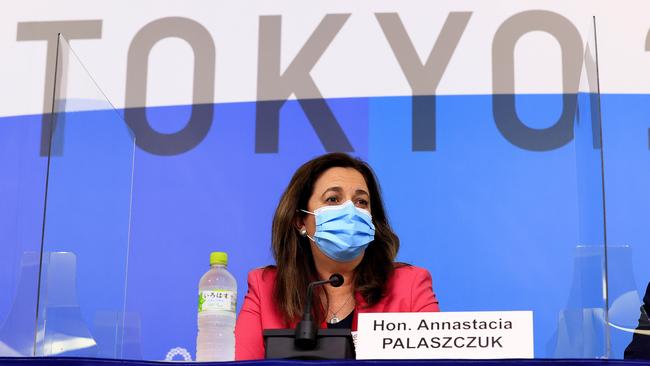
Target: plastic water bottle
[{"x": 216, "y": 319}]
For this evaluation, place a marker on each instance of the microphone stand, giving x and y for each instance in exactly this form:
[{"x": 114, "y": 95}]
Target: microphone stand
[{"x": 306, "y": 330}]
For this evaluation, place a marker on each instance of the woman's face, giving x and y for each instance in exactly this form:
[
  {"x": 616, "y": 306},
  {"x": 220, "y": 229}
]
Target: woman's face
[{"x": 334, "y": 187}]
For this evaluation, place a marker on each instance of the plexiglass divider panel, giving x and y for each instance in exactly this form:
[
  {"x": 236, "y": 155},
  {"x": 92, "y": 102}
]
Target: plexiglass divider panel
[
  {"x": 584, "y": 320},
  {"x": 21, "y": 215},
  {"x": 628, "y": 245},
  {"x": 500, "y": 210},
  {"x": 24, "y": 155},
  {"x": 87, "y": 219}
]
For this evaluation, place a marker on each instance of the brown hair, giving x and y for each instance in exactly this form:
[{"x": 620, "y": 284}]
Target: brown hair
[{"x": 292, "y": 252}]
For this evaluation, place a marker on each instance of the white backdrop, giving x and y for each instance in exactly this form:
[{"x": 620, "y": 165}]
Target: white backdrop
[{"x": 358, "y": 62}]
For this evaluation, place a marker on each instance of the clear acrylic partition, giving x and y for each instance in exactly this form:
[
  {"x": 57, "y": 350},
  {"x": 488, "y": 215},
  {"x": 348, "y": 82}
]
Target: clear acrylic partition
[
  {"x": 507, "y": 213},
  {"x": 87, "y": 219},
  {"x": 21, "y": 213},
  {"x": 582, "y": 324},
  {"x": 628, "y": 248}
]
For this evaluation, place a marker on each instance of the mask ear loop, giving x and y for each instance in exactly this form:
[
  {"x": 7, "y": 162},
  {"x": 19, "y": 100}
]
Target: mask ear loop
[
  {"x": 303, "y": 233},
  {"x": 303, "y": 230}
]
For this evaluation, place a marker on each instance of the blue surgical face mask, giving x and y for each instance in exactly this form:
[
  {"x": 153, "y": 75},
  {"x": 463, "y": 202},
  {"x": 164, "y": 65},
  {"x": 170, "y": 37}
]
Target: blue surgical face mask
[{"x": 342, "y": 232}]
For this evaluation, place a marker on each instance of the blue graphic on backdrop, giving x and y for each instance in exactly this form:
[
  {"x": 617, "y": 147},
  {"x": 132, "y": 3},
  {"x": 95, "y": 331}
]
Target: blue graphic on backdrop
[{"x": 498, "y": 226}]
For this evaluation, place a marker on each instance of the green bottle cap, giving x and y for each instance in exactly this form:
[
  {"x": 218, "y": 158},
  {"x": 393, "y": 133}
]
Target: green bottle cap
[{"x": 218, "y": 258}]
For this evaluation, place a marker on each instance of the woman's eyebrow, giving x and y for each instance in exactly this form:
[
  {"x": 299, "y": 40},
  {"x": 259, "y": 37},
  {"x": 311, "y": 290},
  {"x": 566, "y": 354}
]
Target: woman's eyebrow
[
  {"x": 335, "y": 189},
  {"x": 360, "y": 192}
]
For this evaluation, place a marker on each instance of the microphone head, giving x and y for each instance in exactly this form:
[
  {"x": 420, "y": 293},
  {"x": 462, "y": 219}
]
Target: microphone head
[{"x": 337, "y": 280}]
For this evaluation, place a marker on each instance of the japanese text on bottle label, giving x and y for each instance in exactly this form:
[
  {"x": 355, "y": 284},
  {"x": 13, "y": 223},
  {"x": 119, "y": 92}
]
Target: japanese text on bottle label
[{"x": 219, "y": 300}]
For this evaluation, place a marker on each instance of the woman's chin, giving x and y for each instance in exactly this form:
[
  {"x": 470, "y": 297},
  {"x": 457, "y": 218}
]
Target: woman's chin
[{"x": 322, "y": 259}]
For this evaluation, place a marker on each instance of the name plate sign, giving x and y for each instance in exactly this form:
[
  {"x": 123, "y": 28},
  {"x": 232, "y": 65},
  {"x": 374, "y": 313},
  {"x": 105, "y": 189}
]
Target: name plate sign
[{"x": 475, "y": 335}]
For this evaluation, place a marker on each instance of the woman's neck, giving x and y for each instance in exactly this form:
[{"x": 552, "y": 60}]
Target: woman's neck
[{"x": 326, "y": 268}]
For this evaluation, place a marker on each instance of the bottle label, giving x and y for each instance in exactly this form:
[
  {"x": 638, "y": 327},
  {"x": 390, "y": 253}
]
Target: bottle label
[{"x": 223, "y": 300}]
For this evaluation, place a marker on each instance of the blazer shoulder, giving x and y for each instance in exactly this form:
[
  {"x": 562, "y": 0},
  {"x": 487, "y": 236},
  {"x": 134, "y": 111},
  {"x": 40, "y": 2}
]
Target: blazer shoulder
[
  {"x": 262, "y": 276},
  {"x": 407, "y": 272}
]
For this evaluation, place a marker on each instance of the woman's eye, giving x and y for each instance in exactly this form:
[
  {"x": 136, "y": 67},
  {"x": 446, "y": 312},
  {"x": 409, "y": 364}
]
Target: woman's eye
[
  {"x": 331, "y": 199},
  {"x": 362, "y": 203}
]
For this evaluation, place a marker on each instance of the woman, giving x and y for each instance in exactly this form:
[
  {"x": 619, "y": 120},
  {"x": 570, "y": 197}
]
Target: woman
[{"x": 330, "y": 219}]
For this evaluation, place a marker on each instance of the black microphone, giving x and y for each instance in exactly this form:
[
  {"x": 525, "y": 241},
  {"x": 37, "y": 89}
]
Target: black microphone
[{"x": 306, "y": 329}]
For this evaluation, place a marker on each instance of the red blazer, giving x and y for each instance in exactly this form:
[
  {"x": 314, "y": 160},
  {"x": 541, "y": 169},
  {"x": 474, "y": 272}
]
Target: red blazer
[{"x": 408, "y": 290}]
